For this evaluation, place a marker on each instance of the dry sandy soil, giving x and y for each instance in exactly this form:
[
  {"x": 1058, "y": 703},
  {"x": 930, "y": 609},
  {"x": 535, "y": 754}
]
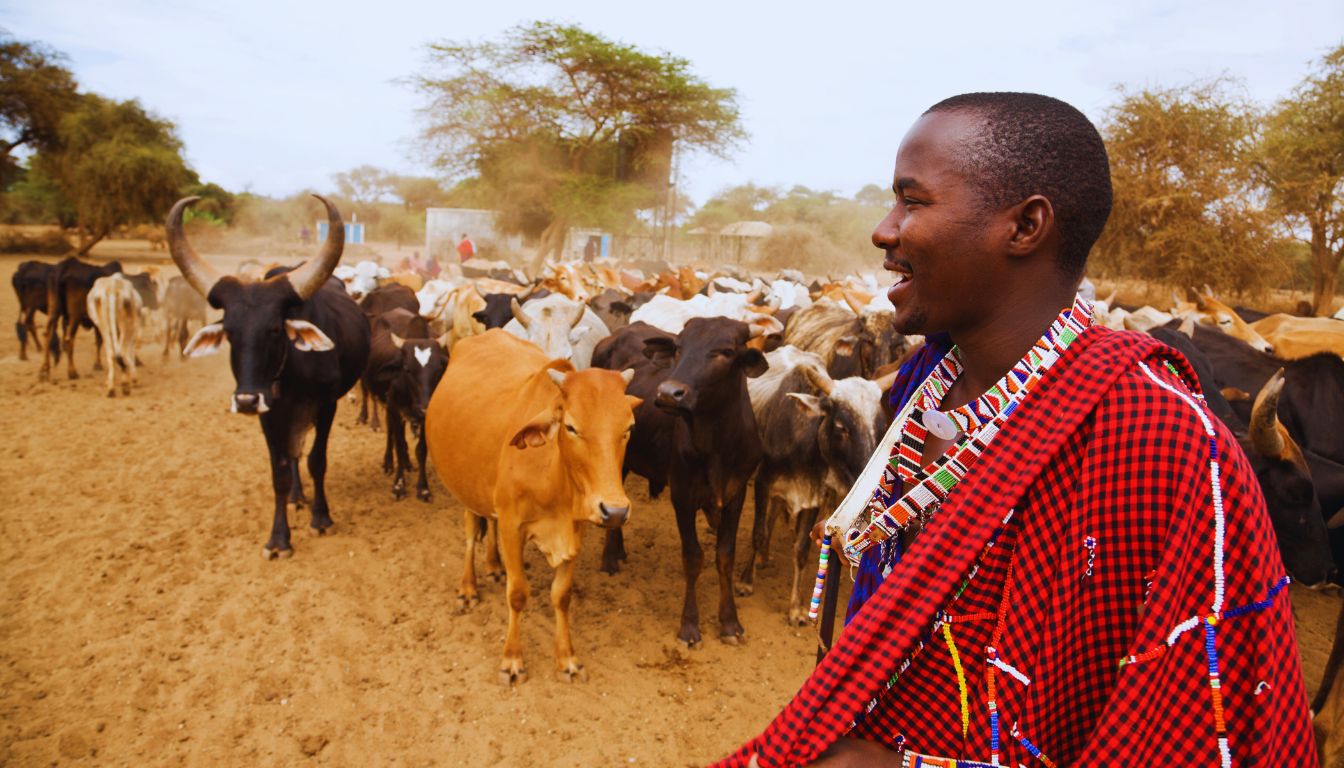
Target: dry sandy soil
[{"x": 140, "y": 624}]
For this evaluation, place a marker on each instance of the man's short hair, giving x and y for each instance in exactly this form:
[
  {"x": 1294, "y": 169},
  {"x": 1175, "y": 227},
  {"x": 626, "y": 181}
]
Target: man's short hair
[{"x": 1032, "y": 144}]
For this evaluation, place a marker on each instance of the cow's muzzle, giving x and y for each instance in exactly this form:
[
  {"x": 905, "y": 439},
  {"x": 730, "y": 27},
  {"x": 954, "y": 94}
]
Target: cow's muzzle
[
  {"x": 612, "y": 516},
  {"x": 674, "y": 396},
  {"x": 250, "y": 403}
]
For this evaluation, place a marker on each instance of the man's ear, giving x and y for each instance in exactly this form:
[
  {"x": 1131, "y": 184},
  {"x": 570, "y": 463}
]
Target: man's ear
[
  {"x": 1033, "y": 221},
  {"x": 752, "y": 362},
  {"x": 660, "y": 350},
  {"x": 206, "y": 341},
  {"x": 308, "y": 337},
  {"x": 536, "y": 432}
]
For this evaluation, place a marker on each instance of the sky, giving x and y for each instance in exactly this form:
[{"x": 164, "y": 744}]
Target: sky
[{"x": 276, "y": 96}]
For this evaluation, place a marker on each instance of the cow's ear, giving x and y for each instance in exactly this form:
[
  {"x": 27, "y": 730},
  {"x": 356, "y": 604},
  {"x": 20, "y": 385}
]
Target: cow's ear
[
  {"x": 634, "y": 402},
  {"x": 752, "y": 362},
  {"x": 536, "y": 432},
  {"x": 807, "y": 403},
  {"x": 308, "y": 337},
  {"x": 660, "y": 350},
  {"x": 845, "y": 346},
  {"x": 479, "y": 316},
  {"x": 206, "y": 341}
]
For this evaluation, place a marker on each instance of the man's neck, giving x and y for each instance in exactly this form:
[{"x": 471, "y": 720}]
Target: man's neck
[{"x": 989, "y": 352}]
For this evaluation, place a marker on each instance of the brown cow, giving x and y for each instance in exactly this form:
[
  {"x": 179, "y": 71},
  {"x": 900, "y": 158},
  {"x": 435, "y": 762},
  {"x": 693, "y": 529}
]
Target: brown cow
[{"x": 538, "y": 446}]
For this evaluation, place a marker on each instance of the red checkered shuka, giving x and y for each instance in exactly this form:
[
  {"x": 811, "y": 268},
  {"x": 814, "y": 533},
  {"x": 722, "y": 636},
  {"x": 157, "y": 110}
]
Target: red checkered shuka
[{"x": 1093, "y": 621}]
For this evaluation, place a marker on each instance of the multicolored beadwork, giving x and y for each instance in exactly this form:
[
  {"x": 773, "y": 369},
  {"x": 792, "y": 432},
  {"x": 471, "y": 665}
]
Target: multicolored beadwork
[{"x": 823, "y": 565}]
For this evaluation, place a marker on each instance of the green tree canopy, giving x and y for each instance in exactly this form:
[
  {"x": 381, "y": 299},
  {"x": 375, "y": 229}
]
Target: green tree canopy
[
  {"x": 117, "y": 164},
  {"x": 1301, "y": 161},
  {"x": 36, "y": 91},
  {"x": 1187, "y": 208},
  {"x": 562, "y": 126}
]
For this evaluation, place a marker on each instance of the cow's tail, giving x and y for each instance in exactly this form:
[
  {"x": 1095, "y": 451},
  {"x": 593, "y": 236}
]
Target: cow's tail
[{"x": 112, "y": 310}]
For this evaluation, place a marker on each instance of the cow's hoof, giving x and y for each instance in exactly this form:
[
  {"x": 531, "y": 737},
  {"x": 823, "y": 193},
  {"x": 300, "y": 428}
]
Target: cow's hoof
[
  {"x": 495, "y": 577},
  {"x": 423, "y": 494},
  {"x": 572, "y": 672},
  {"x": 798, "y": 618},
  {"x": 268, "y": 553},
  {"x": 387, "y": 470},
  {"x": 690, "y": 636},
  {"x": 744, "y": 589},
  {"x": 611, "y": 569},
  {"x": 321, "y": 528},
  {"x": 732, "y": 633},
  {"x": 512, "y": 673},
  {"x": 466, "y": 601},
  {"x": 74, "y": 374},
  {"x": 113, "y": 392},
  {"x": 398, "y": 491},
  {"x": 125, "y": 389}
]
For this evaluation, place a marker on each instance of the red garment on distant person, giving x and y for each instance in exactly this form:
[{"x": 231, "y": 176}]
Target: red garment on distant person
[
  {"x": 1109, "y": 552},
  {"x": 466, "y": 249}
]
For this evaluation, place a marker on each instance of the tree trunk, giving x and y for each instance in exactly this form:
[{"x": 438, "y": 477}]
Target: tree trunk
[
  {"x": 89, "y": 239},
  {"x": 551, "y": 244},
  {"x": 1324, "y": 272}
]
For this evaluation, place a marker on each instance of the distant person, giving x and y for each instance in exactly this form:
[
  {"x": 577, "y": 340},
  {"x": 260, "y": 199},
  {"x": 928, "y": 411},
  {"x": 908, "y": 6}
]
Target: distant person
[
  {"x": 465, "y": 248},
  {"x": 591, "y": 248},
  {"x": 305, "y": 236}
]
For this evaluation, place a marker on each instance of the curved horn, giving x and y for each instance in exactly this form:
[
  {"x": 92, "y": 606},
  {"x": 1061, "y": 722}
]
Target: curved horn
[
  {"x": 312, "y": 274},
  {"x": 518, "y": 313},
  {"x": 201, "y": 275},
  {"x": 853, "y": 305},
  {"x": 819, "y": 379},
  {"x": 1111, "y": 299},
  {"x": 1201, "y": 301},
  {"x": 1265, "y": 434}
]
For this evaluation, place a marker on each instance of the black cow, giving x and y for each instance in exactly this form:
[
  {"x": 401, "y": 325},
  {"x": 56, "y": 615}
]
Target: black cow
[
  {"x": 405, "y": 366},
  {"x": 384, "y": 298},
  {"x": 68, "y": 287},
  {"x": 30, "y": 286},
  {"x": 298, "y": 342},
  {"x": 498, "y": 310},
  {"x": 701, "y": 439},
  {"x": 816, "y": 435},
  {"x": 1286, "y": 476}
]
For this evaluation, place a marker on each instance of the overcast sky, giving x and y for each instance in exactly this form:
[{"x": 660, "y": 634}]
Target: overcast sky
[{"x": 277, "y": 96}]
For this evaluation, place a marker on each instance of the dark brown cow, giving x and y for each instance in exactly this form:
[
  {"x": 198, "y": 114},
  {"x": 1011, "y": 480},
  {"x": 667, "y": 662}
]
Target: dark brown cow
[
  {"x": 30, "y": 286},
  {"x": 68, "y": 288},
  {"x": 700, "y": 439},
  {"x": 382, "y": 299}
]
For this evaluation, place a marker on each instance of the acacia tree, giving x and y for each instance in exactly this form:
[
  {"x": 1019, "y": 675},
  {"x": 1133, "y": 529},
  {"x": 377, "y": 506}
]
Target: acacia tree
[
  {"x": 35, "y": 93},
  {"x": 1301, "y": 160},
  {"x": 1187, "y": 207},
  {"x": 562, "y": 126},
  {"x": 117, "y": 164}
]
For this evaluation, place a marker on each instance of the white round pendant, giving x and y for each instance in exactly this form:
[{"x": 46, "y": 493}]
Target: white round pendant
[{"x": 939, "y": 424}]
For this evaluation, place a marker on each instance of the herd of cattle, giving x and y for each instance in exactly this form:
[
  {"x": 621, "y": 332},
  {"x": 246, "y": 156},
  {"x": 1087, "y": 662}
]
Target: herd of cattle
[{"x": 535, "y": 398}]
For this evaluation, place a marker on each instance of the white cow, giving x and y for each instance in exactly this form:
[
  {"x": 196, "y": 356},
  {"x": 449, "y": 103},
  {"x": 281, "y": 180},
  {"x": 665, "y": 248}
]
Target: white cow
[
  {"x": 561, "y": 327},
  {"x": 362, "y": 278},
  {"x": 114, "y": 307}
]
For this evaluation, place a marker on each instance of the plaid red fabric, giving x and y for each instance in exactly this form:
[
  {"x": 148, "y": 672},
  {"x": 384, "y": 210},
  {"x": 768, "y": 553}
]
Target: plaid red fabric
[{"x": 1101, "y": 585}]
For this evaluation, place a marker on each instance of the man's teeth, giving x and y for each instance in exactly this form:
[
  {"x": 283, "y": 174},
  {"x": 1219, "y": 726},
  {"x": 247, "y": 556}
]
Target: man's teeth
[{"x": 901, "y": 278}]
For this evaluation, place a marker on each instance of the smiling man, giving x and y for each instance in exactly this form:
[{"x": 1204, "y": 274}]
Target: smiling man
[{"x": 1095, "y": 580}]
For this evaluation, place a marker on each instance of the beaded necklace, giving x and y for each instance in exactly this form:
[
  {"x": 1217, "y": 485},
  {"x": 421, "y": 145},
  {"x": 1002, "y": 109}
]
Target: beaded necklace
[{"x": 975, "y": 424}]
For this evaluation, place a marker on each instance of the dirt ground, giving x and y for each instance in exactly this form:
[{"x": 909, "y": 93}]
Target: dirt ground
[{"x": 140, "y": 624}]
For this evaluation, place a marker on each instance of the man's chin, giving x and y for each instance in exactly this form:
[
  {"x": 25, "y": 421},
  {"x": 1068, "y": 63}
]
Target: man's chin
[{"x": 911, "y": 322}]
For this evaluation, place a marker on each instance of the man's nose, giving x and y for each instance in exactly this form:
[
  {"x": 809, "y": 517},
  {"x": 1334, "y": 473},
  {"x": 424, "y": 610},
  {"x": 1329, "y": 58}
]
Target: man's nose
[{"x": 887, "y": 233}]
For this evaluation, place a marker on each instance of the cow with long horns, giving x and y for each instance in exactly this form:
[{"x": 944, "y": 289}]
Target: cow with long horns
[{"x": 298, "y": 342}]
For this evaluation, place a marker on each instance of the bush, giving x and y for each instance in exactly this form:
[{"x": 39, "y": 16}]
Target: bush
[{"x": 48, "y": 242}]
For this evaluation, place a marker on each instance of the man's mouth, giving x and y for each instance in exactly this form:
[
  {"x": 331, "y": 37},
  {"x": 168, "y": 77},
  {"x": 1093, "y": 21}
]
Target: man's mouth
[{"x": 901, "y": 274}]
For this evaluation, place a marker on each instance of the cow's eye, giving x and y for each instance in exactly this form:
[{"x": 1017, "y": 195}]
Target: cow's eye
[{"x": 570, "y": 428}]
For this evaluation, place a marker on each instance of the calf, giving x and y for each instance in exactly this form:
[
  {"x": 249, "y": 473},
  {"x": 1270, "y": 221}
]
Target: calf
[
  {"x": 528, "y": 441},
  {"x": 182, "y": 306},
  {"x": 114, "y": 307},
  {"x": 68, "y": 288},
  {"x": 30, "y": 286},
  {"x": 381, "y": 299},
  {"x": 298, "y": 342},
  {"x": 405, "y": 366},
  {"x": 705, "y": 445},
  {"x": 816, "y": 435}
]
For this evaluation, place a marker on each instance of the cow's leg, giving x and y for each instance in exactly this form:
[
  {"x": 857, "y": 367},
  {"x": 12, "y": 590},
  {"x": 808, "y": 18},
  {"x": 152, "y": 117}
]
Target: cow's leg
[
  {"x": 396, "y": 432},
  {"x": 277, "y": 443},
  {"x": 422, "y": 483},
  {"x": 802, "y": 547},
  {"x": 567, "y": 666},
  {"x": 511, "y": 667},
  {"x": 467, "y": 595},
  {"x": 25, "y": 328},
  {"x": 692, "y": 560},
  {"x": 363, "y": 417},
  {"x": 68, "y": 346},
  {"x": 388, "y": 447},
  {"x": 730, "y": 629},
  {"x": 50, "y": 341},
  {"x": 613, "y": 552},
  {"x": 494, "y": 569},
  {"x": 759, "y": 531},
  {"x": 373, "y": 417},
  {"x": 317, "y": 467},
  {"x": 132, "y": 360},
  {"x": 296, "y": 495},
  {"x": 98, "y": 348}
]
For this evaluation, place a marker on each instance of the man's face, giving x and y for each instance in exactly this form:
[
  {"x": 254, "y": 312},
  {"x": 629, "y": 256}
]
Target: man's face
[{"x": 936, "y": 238}]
